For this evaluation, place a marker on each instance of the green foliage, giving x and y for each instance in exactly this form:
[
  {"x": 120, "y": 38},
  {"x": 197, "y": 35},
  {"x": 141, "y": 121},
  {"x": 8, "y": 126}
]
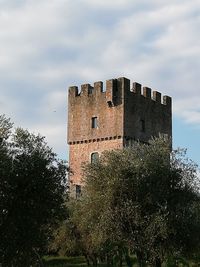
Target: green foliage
[
  {"x": 64, "y": 261},
  {"x": 145, "y": 198},
  {"x": 32, "y": 191},
  {"x": 142, "y": 200},
  {"x": 66, "y": 239},
  {"x": 177, "y": 261},
  {"x": 5, "y": 127}
]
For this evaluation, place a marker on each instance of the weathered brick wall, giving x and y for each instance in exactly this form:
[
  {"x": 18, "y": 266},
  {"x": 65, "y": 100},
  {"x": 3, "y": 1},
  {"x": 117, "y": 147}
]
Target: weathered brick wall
[
  {"x": 123, "y": 115},
  {"x": 151, "y": 110},
  {"x": 80, "y": 153},
  {"x": 93, "y": 102}
]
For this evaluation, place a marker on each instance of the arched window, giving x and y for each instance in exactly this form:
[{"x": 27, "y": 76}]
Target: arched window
[{"x": 94, "y": 157}]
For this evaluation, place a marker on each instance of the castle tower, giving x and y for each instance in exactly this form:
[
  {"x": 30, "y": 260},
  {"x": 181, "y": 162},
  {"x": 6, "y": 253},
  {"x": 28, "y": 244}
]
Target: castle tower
[{"x": 101, "y": 120}]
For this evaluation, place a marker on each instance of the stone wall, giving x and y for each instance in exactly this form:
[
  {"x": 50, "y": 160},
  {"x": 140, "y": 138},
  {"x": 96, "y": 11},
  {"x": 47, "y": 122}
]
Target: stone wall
[
  {"x": 93, "y": 102},
  {"x": 81, "y": 153},
  {"x": 146, "y": 114},
  {"x": 108, "y": 119}
]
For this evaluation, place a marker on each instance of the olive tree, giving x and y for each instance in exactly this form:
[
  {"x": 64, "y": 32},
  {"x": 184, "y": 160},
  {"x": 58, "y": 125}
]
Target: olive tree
[
  {"x": 144, "y": 198},
  {"x": 32, "y": 195}
]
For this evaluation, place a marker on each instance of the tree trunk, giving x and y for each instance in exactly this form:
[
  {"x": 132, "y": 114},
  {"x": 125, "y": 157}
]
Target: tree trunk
[
  {"x": 40, "y": 261},
  {"x": 87, "y": 260},
  {"x": 94, "y": 261},
  {"x": 140, "y": 259},
  {"x": 157, "y": 262},
  {"x": 128, "y": 260},
  {"x": 120, "y": 262}
]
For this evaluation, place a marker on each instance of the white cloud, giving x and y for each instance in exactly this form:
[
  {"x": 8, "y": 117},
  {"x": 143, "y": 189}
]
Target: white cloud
[
  {"x": 46, "y": 46},
  {"x": 109, "y": 4},
  {"x": 55, "y": 134},
  {"x": 188, "y": 109}
]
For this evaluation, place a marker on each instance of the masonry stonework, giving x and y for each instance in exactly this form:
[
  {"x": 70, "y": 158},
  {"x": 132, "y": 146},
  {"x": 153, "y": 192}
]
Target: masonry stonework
[{"x": 101, "y": 120}]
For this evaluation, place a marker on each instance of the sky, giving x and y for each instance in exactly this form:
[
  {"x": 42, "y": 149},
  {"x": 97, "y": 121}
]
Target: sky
[{"x": 48, "y": 45}]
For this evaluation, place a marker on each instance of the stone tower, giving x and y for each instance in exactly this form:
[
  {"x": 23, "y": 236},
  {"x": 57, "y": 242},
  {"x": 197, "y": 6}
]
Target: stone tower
[{"x": 101, "y": 120}]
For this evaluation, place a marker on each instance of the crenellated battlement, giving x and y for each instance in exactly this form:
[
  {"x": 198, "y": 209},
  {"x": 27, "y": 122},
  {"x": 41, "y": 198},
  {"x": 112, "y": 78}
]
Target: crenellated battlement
[
  {"x": 112, "y": 115},
  {"x": 116, "y": 90},
  {"x": 86, "y": 89}
]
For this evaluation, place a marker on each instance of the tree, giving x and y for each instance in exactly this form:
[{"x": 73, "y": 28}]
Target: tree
[
  {"x": 67, "y": 239},
  {"x": 73, "y": 237},
  {"x": 32, "y": 195},
  {"x": 145, "y": 198}
]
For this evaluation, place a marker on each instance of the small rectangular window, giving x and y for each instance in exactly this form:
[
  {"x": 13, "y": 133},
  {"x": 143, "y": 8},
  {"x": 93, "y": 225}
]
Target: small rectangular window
[
  {"x": 78, "y": 191},
  {"x": 142, "y": 122},
  {"x": 94, "y": 122}
]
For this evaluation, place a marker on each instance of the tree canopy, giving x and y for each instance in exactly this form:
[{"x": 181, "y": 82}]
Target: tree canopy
[
  {"x": 32, "y": 195},
  {"x": 144, "y": 198}
]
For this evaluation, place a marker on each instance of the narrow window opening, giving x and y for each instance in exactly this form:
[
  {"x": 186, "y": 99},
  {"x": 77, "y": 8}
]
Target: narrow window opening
[
  {"x": 94, "y": 122},
  {"x": 109, "y": 104},
  {"x": 90, "y": 90},
  {"x": 78, "y": 191},
  {"x": 142, "y": 122},
  {"x": 94, "y": 157}
]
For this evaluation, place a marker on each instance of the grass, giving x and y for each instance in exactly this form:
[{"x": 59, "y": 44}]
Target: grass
[
  {"x": 65, "y": 262},
  {"x": 80, "y": 262}
]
